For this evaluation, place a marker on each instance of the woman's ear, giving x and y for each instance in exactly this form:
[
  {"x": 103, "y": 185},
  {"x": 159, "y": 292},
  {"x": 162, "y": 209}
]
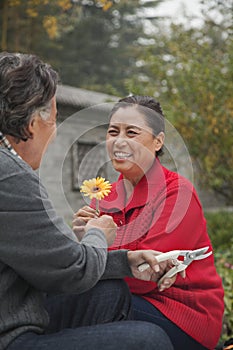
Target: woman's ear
[{"x": 159, "y": 141}]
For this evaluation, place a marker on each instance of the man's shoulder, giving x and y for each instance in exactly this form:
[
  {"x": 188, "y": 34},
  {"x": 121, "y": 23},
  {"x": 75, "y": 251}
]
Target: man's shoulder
[{"x": 11, "y": 164}]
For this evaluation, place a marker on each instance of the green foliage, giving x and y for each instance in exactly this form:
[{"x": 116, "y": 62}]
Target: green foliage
[
  {"x": 220, "y": 227},
  {"x": 28, "y": 24},
  {"x": 102, "y": 49},
  {"x": 21, "y": 20},
  {"x": 94, "y": 44},
  {"x": 224, "y": 264},
  {"x": 191, "y": 72}
]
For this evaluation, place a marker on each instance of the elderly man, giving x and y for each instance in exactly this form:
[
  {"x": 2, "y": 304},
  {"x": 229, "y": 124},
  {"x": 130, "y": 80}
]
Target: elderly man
[{"x": 50, "y": 291}]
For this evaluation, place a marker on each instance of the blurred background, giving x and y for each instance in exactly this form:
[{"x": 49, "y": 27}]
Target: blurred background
[{"x": 180, "y": 52}]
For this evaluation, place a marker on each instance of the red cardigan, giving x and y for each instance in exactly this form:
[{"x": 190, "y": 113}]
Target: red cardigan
[{"x": 164, "y": 213}]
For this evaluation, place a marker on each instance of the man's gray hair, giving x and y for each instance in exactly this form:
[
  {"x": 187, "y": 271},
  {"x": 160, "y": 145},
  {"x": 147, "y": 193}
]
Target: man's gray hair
[{"x": 27, "y": 86}]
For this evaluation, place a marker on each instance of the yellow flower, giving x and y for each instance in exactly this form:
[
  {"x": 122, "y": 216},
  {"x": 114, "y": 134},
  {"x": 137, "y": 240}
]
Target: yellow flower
[{"x": 96, "y": 188}]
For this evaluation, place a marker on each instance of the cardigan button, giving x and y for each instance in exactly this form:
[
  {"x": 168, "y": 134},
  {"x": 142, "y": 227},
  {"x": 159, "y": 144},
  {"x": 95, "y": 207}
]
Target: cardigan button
[{"x": 120, "y": 222}]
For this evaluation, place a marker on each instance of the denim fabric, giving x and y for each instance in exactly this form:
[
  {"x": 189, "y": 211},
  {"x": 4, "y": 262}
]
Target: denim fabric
[
  {"x": 108, "y": 301},
  {"x": 91, "y": 321},
  {"x": 145, "y": 311}
]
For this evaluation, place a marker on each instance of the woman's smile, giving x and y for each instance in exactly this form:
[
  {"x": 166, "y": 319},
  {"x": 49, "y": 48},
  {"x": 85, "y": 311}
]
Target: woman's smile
[
  {"x": 131, "y": 144},
  {"x": 119, "y": 155}
]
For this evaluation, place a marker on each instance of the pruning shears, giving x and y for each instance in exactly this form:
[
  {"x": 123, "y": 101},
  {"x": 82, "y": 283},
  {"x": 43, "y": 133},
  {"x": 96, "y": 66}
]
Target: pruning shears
[{"x": 179, "y": 265}]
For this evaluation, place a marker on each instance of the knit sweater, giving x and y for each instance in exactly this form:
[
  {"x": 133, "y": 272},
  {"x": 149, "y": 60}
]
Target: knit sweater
[
  {"x": 164, "y": 213},
  {"x": 39, "y": 253}
]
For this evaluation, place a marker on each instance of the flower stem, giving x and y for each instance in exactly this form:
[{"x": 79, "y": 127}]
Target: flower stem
[{"x": 97, "y": 207}]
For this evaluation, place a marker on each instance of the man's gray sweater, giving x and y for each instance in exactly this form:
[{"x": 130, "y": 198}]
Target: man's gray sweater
[{"x": 40, "y": 254}]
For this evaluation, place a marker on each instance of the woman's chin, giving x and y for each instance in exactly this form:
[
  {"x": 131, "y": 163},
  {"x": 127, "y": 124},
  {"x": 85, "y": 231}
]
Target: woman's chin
[{"x": 121, "y": 164}]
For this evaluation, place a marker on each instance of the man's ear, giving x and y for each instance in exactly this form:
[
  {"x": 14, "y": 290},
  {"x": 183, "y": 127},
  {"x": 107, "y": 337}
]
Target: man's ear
[
  {"x": 159, "y": 141},
  {"x": 32, "y": 126}
]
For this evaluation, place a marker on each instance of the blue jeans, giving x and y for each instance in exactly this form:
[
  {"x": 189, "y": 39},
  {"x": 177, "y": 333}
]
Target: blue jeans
[
  {"x": 98, "y": 319},
  {"x": 145, "y": 311}
]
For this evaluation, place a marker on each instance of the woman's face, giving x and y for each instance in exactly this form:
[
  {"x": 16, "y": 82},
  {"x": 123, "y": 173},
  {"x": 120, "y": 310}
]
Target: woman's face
[{"x": 131, "y": 144}]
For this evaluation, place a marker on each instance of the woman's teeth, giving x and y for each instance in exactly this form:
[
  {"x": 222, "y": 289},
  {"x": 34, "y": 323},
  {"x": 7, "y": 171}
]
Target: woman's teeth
[{"x": 122, "y": 155}]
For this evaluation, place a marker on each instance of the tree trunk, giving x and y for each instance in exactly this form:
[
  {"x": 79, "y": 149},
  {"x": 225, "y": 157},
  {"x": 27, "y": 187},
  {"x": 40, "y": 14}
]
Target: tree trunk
[{"x": 4, "y": 25}]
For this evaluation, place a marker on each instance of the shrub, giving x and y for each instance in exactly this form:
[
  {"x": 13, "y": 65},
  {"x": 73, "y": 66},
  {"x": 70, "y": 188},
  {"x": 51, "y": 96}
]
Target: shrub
[{"x": 220, "y": 228}]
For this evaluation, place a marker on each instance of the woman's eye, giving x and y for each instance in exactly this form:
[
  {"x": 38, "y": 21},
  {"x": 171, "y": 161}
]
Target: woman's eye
[
  {"x": 132, "y": 132},
  {"x": 112, "y": 132}
]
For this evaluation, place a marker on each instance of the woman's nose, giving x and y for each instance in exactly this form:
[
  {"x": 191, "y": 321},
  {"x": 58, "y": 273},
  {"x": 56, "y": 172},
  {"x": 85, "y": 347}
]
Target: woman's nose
[{"x": 120, "y": 141}]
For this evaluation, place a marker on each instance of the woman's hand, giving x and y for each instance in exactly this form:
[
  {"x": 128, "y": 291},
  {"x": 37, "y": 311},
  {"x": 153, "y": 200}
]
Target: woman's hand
[
  {"x": 86, "y": 213},
  {"x": 80, "y": 220},
  {"x": 152, "y": 273}
]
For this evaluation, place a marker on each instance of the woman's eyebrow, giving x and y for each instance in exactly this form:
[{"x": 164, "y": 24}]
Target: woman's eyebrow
[
  {"x": 134, "y": 127},
  {"x": 113, "y": 126},
  {"x": 127, "y": 127}
]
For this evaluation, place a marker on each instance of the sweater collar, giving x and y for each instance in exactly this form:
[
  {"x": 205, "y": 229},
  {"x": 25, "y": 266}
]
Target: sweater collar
[
  {"x": 146, "y": 189},
  {"x": 6, "y": 144}
]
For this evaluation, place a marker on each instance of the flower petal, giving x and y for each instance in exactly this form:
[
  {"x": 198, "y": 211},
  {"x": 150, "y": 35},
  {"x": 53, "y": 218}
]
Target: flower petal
[{"x": 96, "y": 188}]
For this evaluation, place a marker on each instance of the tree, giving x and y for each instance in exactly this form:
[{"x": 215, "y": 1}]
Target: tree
[
  {"x": 101, "y": 50},
  {"x": 191, "y": 72},
  {"x": 22, "y": 20},
  {"x": 93, "y": 43}
]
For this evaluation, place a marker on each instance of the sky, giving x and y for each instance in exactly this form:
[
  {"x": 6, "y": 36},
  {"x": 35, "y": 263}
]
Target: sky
[
  {"x": 173, "y": 6},
  {"x": 177, "y": 8}
]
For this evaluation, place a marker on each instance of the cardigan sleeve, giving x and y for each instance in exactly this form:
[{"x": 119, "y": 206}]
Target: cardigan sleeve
[{"x": 178, "y": 223}]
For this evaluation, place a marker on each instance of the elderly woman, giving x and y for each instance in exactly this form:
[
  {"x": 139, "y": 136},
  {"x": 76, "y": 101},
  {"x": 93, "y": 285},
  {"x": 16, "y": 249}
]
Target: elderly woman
[
  {"x": 50, "y": 294},
  {"x": 158, "y": 209}
]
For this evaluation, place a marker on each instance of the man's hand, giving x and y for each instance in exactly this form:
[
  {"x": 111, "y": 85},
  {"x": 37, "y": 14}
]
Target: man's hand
[
  {"x": 106, "y": 224},
  {"x": 152, "y": 273},
  {"x": 79, "y": 228},
  {"x": 81, "y": 218}
]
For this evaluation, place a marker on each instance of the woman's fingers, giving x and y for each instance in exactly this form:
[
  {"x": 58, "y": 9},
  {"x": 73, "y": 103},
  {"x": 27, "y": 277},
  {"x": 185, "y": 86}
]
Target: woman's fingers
[
  {"x": 166, "y": 283},
  {"x": 77, "y": 221},
  {"x": 86, "y": 213}
]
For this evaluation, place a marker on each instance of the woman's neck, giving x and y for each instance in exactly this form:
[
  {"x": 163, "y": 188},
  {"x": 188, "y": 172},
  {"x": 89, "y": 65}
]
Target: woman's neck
[
  {"x": 129, "y": 184},
  {"x": 131, "y": 180}
]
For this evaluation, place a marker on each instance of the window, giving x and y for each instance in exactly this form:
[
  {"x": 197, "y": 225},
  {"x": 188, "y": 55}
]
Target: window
[{"x": 89, "y": 159}]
